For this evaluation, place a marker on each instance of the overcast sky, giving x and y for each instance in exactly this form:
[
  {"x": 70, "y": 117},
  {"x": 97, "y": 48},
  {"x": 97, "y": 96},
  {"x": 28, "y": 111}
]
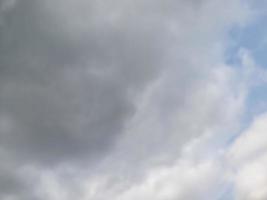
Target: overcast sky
[{"x": 133, "y": 100}]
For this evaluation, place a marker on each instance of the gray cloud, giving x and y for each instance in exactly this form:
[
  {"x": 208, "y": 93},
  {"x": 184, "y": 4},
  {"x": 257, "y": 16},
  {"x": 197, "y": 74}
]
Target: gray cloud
[
  {"x": 68, "y": 95},
  {"x": 72, "y": 74}
]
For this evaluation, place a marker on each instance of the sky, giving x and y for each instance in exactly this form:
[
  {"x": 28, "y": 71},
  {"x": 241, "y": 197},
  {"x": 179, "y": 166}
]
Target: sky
[{"x": 133, "y": 100}]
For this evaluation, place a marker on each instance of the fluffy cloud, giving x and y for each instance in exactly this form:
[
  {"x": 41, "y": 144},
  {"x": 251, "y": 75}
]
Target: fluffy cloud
[
  {"x": 99, "y": 98},
  {"x": 248, "y": 158}
]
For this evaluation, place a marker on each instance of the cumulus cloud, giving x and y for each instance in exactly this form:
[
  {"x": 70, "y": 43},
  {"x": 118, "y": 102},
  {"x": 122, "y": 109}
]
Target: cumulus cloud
[{"x": 118, "y": 99}]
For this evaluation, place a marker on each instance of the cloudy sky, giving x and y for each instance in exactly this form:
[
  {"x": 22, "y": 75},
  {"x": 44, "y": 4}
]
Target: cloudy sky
[{"x": 133, "y": 100}]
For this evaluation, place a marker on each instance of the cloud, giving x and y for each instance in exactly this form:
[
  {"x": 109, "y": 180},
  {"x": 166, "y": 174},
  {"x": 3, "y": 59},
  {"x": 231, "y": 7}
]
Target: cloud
[
  {"x": 99, "y": 99},
  {"x": 68, "y": 94},
  {"x": 248, "y": 158},
  {"x": 181, "y": 181},
  {"x": 71, "y": 86}
]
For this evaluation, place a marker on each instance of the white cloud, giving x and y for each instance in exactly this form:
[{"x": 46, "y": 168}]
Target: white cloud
[
  {"x": 252, "y": 142},
  {"x": 248, "y": 159}
]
